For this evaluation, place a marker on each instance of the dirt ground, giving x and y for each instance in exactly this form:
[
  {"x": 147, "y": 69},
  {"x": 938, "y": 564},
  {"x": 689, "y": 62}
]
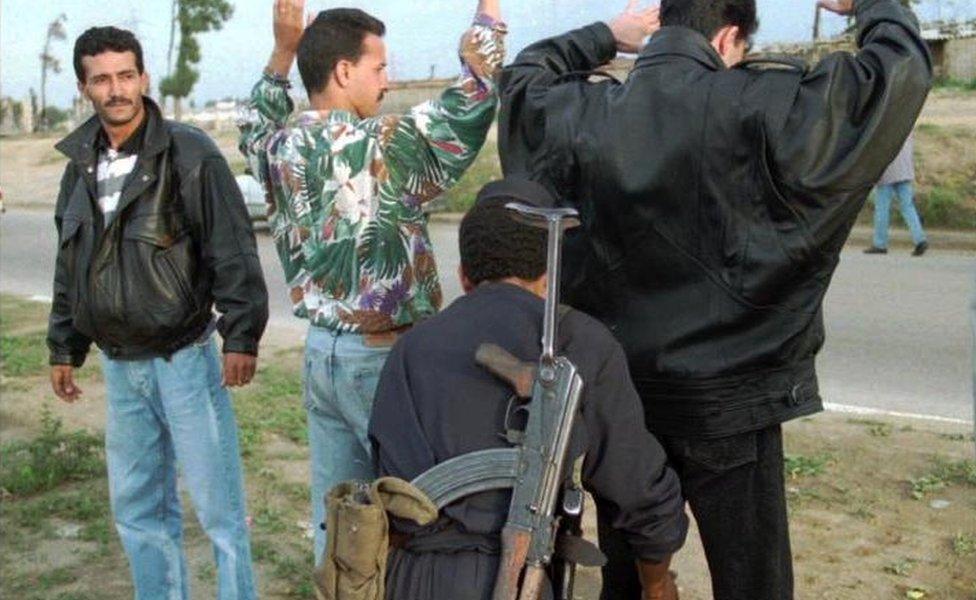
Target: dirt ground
[{"x": 858, "y": 531}]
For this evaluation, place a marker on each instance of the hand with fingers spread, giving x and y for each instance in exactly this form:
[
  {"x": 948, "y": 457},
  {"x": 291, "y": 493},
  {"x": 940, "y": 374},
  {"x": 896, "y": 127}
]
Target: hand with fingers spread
[
  {"x": 289, "y": 25},
  {"x": 841, "y": 7},
  {"x": 238, "y": 369},
  {"x": 63, "y": 383},
  {"x": 631, "y": 27}
]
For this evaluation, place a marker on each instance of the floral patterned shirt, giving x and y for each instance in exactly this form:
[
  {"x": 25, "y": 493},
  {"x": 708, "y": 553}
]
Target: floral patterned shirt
[{"x": 345, "y": 194}]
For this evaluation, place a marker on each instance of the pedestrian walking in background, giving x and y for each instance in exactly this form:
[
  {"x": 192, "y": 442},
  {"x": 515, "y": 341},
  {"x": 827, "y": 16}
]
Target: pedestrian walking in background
[{"x": 898, "y": 180}]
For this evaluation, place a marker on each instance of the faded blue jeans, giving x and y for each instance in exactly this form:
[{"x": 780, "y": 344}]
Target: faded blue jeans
[
  {"x": 163, "y": 413},
  {"x": 882, "y": 212},
  {"x": 341, "y": 373}
]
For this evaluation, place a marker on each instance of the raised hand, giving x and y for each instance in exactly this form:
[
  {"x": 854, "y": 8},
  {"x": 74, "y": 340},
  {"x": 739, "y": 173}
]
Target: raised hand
[
  {"x": 289, "y": 24},
  {"x": 631, "y": 27},
  {"x": 841, "y": 7}
]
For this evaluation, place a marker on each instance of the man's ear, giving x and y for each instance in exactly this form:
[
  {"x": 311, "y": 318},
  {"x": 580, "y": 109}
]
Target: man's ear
[
  {"x": 83, "y": 91},
  {"x": 466, "y": 284},
  {"x": 342, "y": 73},
  {"x": 725, "y": 40},
  {"x": 145, "y": 83}
]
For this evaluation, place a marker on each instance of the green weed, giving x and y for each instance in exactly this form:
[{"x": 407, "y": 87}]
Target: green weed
[
  {"x": 964, "y": 544},
  {"x": 49, "y": 460},
  {"x": 798, "y": 465}
]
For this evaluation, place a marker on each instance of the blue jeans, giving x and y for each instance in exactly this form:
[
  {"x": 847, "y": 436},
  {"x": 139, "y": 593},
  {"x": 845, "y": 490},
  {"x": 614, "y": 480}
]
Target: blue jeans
[
  {"x": 341, "y": 374},
  {"x": 163, "y": 413},
  {"x": 882, "y": 212}
]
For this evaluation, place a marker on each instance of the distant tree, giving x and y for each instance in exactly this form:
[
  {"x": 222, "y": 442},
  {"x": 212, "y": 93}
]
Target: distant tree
[
  {"x": 193, "y": 17},
  {"x": 56, "y": 116},
  {"x": 33, "y": 110},
  {"x": 18, "y": 114},
  {"x": 55, "y": 31}
]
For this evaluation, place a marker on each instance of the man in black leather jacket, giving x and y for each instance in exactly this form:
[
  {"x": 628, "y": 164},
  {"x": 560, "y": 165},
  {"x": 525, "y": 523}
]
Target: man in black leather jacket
[
  {"x": 153, "y": 233},
  {"x": 715, "y": 195}
]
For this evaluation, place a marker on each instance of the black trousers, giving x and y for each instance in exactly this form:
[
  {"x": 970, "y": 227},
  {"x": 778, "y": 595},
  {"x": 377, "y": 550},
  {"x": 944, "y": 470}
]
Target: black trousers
[{"x": 736, "y": 491}]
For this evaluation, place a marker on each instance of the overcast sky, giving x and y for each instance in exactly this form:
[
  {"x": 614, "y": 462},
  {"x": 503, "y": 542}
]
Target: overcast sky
[{"x": 421, "y": 34}]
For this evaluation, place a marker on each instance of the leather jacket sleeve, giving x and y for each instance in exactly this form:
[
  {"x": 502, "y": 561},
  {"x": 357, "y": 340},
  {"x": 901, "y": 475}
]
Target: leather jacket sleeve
[
  {"x": 526, "y": 82},
  {"x": 67, "y": 346},
  {"x": 834, "y": 133},
  {"x": 228, "y": 250}
]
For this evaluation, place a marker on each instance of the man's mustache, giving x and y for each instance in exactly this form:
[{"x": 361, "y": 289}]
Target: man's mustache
[{"x": 118, "y": 102}]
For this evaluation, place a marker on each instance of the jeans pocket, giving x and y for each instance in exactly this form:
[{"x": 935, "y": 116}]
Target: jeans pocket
[
  {"x": 366, "y": 377},
  {"x": 313, "y": 376},
  {"x": 723, "y": 454}
]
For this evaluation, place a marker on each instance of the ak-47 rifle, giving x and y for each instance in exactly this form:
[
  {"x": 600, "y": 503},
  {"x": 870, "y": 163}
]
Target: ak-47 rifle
[{"x": 534, "y": 469}]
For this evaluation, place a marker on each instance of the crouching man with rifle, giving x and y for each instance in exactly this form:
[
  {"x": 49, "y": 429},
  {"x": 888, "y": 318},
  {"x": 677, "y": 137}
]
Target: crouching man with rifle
[{"x": 467, "y": 410}]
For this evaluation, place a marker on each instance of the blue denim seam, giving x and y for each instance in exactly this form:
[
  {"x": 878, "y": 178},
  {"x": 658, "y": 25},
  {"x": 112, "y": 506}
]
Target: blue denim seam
[{"x": 152, "y": 397}]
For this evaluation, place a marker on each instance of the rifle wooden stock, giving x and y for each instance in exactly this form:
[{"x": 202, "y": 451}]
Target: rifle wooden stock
[
  {"x": 515, "y": 547},
  {"x": 532, "y": 583},
  {"x": 518, "y": 374}
]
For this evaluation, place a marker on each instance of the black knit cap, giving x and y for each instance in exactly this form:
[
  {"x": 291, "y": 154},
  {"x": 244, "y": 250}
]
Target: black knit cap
[{"x": 517, "y": 189}]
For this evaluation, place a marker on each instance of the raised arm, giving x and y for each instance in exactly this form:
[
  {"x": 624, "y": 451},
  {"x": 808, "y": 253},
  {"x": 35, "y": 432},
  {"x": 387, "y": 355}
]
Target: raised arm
[
  {"x": 429, "y": 148},
  {"x": 270, "y": 104},
  {"x": 526, "y": 82},
  {"x": 845, "y": 120}
]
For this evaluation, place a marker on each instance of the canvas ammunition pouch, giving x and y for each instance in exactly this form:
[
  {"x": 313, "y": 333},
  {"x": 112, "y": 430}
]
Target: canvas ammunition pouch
[{"x": 357, "y": 535}]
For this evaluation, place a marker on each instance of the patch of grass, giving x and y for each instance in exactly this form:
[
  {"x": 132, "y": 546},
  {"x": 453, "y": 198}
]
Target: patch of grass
[
  {"x": 945, "y": 205},
  {"x": 270, "y": 519},
  {"x": 485, "y": 168},
  {"x": 285, "y": 568},
  {"x": 798, "y": 465},
  {"x": 957, "y": 437},
  {"x": 944, "y": 473},
  {"x": 901, "y": 568},
  {"x": 49, "y": 460},
  {"x": 207, "y": 572},
  {"x": 86, "y": 504},
  {"x": 23, "y": 355},
  {"x": 964, "y": 544},
  {"x": 956, "y": 472},
  {"x": 56, "y": 578},
  {"x": 18, "y": 313},
  {"x": 955, "y": 84},
  {"x": 272, "y": 404},
  {"x": 920, "y": 486},
  {"x": 862, "y": 512},
  {"x": 875, "y": 428}
]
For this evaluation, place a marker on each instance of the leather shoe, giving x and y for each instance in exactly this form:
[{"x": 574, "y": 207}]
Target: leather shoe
[
  {"x": 876, "y": 250},
  {"x": 920, "y": 248}
]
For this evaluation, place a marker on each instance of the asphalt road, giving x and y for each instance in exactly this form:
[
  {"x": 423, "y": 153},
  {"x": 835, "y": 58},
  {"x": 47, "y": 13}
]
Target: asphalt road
[{"x": 898, "y": 335}]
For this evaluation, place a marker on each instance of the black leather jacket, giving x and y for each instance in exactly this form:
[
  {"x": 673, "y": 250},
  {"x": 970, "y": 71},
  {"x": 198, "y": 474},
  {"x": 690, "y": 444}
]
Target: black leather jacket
[
  {"x": 714, "y": 201},
  {"x": 145, "y": 285}
]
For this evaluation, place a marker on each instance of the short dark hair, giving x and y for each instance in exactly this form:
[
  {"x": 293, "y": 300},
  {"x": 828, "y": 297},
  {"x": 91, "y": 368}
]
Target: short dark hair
[
  {"x": 335, "y": 34},
  {"x": 708, "y": 16},
  {"x": 495, "y": 246},
  {"x": 105, "y": 39}
]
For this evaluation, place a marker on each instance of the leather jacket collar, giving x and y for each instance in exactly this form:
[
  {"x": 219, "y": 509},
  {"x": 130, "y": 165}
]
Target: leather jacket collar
[
  {"x": 81, "y": 144},
  {"x": 681, "y": 41}
]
